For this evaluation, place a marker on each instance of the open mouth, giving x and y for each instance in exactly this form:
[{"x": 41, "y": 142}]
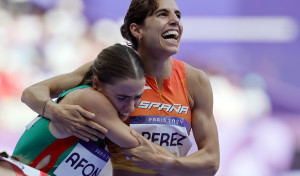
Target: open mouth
[{"x": 171, "y": 35}]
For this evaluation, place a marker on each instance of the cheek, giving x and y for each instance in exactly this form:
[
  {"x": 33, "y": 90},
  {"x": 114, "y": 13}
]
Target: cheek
[
  {"x": 154, "y": 29},
  {"x": 116, "y": 104},
  {"x": 137, "y": 103},
  {"x": 181, "y": 28}
]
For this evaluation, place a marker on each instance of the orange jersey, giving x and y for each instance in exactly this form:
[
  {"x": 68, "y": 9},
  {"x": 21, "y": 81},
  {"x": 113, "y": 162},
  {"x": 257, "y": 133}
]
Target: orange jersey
[{"x": 163, "y": 116}]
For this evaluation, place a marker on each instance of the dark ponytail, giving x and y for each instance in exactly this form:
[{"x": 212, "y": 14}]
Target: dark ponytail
[
  {"x": 114, "y": 63},
  {"x": 137, "y": 12}
]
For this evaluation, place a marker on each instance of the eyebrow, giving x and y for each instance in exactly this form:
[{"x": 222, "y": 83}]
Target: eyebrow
[
  {"x": 166, "y": 10},
  {"x": 126, "y": 96},
  {"x": 178, "y": 11}
]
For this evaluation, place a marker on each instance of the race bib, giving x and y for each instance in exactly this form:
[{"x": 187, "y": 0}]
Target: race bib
[
  {"x": 169, "y": 132},
  {"x": 27, "y": 170},
  {"x": 86, "y": 159}
]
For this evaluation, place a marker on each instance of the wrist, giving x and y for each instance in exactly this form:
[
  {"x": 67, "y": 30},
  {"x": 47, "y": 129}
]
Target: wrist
[
  {"x": 165, "y": 164},
  {"x": 47, "y": 108}
]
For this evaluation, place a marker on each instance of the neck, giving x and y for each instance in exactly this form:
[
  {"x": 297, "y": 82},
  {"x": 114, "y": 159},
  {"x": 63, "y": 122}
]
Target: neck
[{"x": 157, "y": 67}]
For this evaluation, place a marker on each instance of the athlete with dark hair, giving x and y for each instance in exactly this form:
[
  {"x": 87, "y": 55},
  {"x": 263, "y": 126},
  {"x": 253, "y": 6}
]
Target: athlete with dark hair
[
  {"x": 55, "y": 151},
  {"x": 177, "y": 98}
]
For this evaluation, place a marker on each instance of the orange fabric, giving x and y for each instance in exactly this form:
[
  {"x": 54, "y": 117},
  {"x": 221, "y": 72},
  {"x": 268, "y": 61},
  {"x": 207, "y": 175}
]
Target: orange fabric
[{"x": 174, "y": 91}]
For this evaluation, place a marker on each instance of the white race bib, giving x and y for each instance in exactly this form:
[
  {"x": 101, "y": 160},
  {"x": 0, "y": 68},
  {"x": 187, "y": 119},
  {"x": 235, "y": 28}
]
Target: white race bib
[
  {"x": 169, "y": 132},
  {"x": 86, "y": 159}
]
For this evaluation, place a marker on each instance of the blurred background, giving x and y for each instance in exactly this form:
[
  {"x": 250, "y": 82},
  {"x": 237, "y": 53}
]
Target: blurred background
[{"x": 250, "y": 50}]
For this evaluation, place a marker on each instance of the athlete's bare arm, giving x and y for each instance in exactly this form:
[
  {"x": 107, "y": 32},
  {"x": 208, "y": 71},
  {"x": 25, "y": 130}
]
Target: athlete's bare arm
[
  {"x": 203, "y": 162},
  {"x": 6, "y": 168},
  {"x": 206, "y": 160},
  {"x": 107, "y": 116},
  {"x": 73, "y": 118}
]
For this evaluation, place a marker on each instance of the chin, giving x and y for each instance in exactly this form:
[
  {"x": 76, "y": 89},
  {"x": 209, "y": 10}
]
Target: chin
[
  {"x": 173, "y": 51},
  {"x": 123, "y": 118}
]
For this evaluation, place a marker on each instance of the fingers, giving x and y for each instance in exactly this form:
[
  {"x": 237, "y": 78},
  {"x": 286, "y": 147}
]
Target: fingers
[
  {"x": 97, "y": 129},
  {"x": 78, "y": 122},
  {"x": 87, "y": 131},
  {"x": 85, "y": 113},
  {"x": 85, "y": 134},
  {"x": 80, "y": 136},
  {"x": 139, "y": 137},
  {"x": 93, "y": 129}
]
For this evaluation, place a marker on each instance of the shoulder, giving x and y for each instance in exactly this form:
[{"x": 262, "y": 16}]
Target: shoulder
[
  {"x": 93, "y": 100},
  {"x": 198, "y": 84},
  {"x": 194, "y": 74}
]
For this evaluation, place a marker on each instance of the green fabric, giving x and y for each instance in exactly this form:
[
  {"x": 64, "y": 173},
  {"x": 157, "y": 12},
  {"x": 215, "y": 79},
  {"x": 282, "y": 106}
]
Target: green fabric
[
  {"x": 36, "y": 139},
  {"x": 68, "y": 91}
]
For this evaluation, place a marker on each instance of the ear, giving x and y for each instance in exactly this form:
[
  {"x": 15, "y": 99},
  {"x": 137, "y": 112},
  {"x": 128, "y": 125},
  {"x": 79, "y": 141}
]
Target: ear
[
  {"x": 96, "y": 83},
  {"x": 136, "y": 30}
]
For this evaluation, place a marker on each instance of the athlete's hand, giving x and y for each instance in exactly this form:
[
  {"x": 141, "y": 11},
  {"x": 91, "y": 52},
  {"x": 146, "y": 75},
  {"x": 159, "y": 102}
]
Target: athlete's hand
[
  {"x": 75, "y": 121},
  {"x": 147, "y": 155}
]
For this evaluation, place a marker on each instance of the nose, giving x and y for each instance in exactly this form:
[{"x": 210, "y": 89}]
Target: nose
[
  {"x": 130, "y": 106},
  {"x": 136, "y": 103},
  {"x": 174, "y": 20}
]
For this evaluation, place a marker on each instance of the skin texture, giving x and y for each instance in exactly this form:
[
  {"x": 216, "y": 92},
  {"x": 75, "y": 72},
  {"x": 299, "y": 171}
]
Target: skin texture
[
  {"x": 107, "y": 108},
  {"x": 77, "y": 121},
  {"x": 6, "y": 169},
  {"x": 155, "y": 53}
]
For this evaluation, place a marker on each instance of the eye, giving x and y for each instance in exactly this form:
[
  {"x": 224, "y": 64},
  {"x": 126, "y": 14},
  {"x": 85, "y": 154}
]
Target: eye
[
  {"x": 178, "y": 15},
  {"x": 121, "y": 98},
  {"x": 162, "y": 14},
  {"x": 138, "y": 97}
]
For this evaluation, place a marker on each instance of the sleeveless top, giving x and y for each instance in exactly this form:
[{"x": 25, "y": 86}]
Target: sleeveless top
[
  {"x": 37, "y": 142},
  {"x": 164, "y": 117}
]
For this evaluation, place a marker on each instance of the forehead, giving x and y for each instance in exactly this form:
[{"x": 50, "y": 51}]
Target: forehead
[
  {"x": 129, "y": 87},
  {"x": 167, "y": 4}
]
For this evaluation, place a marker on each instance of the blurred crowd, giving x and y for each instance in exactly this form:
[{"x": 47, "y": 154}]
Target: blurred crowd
[{"x": 40, "y": 39}]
